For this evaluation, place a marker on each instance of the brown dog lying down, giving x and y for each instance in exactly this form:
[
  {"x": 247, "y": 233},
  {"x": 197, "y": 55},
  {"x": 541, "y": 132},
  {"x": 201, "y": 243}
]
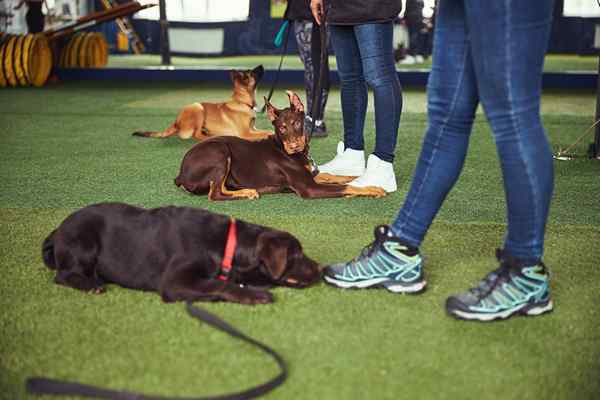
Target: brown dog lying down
[
  {"x": 180, "y": 252},
  {"x": 235, "y": 117},
  {"x": 229, "y": 168}
]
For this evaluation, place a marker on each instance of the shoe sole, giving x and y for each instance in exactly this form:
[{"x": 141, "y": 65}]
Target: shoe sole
[
  {"x": 377, "y": 283},
  {"x": 341, "y": 172},
  {"x": 387, "y": 188},
  {"x": 525, "y": 309}
]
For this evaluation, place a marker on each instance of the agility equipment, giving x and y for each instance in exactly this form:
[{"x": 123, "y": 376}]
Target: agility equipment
[
  {"x": 84, "y": 50},
  {"x": 28, "y": 59},
  {"x": 126, "y": 28},
  {"x": 25, "y": 60},
  {"x": 96, "y": 18}
]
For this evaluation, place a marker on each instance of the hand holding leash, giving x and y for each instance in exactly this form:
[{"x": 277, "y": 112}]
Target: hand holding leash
[{"x": 316, "y": 7}]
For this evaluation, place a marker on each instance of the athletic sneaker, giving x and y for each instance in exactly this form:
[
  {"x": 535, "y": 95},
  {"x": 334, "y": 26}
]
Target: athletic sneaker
[
  {"x": 386, "y": 262},
  {"x": 347, "y": 162},
  {"x": 378, "y": 173},
  {"x": 512, "y": 289}
]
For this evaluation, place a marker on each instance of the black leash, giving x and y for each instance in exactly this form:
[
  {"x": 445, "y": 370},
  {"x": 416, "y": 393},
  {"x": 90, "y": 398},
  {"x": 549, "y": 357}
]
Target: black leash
[
  {"x": 42, "y": 386},
  {"x": 317, "y": 89},
  {"x": 288, "y": 27}
]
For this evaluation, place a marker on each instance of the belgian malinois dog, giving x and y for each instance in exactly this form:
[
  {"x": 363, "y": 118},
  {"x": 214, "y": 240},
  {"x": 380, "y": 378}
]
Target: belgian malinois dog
[{"x": 235, "y": 117}]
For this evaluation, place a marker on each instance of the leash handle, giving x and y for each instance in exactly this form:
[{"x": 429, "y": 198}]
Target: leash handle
[
  {"x": 279, "y": 37},
  {"x": 47, "y": 386}
]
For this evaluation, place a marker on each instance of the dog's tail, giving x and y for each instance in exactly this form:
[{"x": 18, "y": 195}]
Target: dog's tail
[
  {"x": 146, "y": 134},
  {"x": 173, "y": 129},
  {"x": 48, "y": 251}
]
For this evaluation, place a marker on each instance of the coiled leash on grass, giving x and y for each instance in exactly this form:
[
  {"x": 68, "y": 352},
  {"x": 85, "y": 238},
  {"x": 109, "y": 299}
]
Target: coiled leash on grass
[{"x": 44, "y": 386}]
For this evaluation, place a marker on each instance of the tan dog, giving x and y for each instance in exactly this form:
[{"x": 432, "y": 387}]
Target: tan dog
[{"x": 235, "y": 117}]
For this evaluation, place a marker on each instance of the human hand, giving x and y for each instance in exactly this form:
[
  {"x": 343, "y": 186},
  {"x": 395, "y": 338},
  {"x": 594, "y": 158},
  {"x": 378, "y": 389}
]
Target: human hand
[{"x": 316, "y": 7}]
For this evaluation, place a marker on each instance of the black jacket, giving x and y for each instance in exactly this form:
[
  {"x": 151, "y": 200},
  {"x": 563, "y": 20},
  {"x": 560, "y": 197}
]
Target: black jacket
[
  {"x": 298, "y": 9},
  {"x": 355, "y": 12}
]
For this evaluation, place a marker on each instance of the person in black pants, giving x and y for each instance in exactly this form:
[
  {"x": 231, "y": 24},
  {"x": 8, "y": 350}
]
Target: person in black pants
[
  {"x": 305, "y": 30},
  {"x": 413, "y": 16},
  {"x": 34, "y": 16}
]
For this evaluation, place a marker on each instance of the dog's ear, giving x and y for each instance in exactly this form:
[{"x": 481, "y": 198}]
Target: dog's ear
[
  {"x": 272, "y": 252},
  {"x": 272, "y": 112},
  {"x": 258, "y": 72},
  {"x": 295, "y": 101}
]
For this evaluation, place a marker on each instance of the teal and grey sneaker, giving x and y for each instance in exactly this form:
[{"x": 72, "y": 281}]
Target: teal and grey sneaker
[
  {"x": 512, "y": 289},
  {"x": 384, "y": 263}
]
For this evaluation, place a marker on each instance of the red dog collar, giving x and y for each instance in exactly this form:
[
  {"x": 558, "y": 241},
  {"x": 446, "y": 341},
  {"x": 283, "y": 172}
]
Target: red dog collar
[{"x": 230, "y": 246}]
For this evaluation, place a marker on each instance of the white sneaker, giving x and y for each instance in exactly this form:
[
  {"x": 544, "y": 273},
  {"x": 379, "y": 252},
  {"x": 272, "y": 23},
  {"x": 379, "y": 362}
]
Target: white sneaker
[
  {"x": 419, "y": 59},
  {"x": 378, "y": 173},
  {"x": 347, "y": 162},
  {"x": 408, "y": 60}
]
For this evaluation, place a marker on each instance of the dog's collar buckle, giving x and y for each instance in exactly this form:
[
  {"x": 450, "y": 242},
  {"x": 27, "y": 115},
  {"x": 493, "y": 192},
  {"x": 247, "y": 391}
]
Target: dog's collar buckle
[{"x": 230, "y": 245}]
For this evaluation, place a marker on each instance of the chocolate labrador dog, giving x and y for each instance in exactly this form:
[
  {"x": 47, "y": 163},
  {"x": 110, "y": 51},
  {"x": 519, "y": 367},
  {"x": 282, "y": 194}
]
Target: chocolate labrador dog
[
  {"x": 235, "y": 117},
  {"x": 228, "y": 168},
  {"x": 180, "y": 252}
]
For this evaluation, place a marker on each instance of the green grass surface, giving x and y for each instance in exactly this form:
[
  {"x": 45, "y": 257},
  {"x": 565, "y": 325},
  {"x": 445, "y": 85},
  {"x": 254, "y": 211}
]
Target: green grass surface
[
  {"x": 65, "y": 146},
  {"x": 554, "y": 62}
]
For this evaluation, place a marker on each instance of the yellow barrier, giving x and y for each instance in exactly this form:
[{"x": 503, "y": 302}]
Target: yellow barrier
[
  {"x": 85, "y": 50},
  {"x": 24, "y": 60},
  {"x": 27, "y": 59}
]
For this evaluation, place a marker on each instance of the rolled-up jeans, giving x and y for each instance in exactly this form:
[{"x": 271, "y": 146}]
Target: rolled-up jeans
[{"x": 490, "y": 52}]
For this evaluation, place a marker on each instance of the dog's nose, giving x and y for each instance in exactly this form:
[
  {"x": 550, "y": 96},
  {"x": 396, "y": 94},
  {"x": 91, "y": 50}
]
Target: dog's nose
[{"x": 294, "y": 147}]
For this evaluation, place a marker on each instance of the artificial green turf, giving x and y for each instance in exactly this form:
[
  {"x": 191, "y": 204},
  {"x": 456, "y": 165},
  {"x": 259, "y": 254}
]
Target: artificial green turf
[
  {"x": 553, "y": 63},
  {"x": 65, "y": 146}
]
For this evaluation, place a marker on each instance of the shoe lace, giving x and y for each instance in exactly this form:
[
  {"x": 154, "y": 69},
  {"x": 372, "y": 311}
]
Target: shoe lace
[
  {"x": 494, "y": 278},
  {"x": 381, "y": 234}
]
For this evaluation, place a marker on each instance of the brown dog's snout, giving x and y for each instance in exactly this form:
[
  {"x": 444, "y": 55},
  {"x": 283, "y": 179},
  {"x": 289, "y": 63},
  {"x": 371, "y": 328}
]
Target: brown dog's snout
[{"x": 295, "y": 146}]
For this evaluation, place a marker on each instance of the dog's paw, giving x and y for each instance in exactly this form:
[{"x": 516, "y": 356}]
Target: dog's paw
[
  {"x": 250, "y": 194},
  {"x": 369, "y": 191}
]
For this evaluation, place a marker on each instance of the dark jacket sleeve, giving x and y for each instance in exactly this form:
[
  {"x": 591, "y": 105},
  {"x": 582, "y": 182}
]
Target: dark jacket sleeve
[
  {"x": 298, "y": 9},
  {"x": 354, "y": 12}
]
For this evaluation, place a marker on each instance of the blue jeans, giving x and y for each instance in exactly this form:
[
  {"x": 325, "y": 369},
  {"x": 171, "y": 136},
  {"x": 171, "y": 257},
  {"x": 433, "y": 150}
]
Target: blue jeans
[
  {"x": 490, "y": 52},
  {"x": 364, "y": 55}
]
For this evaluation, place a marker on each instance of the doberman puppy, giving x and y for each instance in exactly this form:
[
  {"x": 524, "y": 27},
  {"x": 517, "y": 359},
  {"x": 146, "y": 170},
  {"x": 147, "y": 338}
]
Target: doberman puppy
[
  {"x": 229, "y": 168},
  {"x": 179, "y": 252},
  {"x": 235, "y": 117}
]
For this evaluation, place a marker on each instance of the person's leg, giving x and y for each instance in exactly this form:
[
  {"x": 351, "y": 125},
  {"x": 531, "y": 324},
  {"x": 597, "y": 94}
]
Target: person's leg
[
  {"x": 393, "y": 259},
  {"x": 321, "y": 78},
  {"x": 302, "y": 33},
  {"x": 413, "y": 37},
  {"x": 377, "y": 56},
  {"x": 349, "y": 160},
  {"x": 353, "y": 87},
  {"x": 316, "y": 56},
  {"x": 508, "y": 55},
  {"x": 452, "y": 99}
]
